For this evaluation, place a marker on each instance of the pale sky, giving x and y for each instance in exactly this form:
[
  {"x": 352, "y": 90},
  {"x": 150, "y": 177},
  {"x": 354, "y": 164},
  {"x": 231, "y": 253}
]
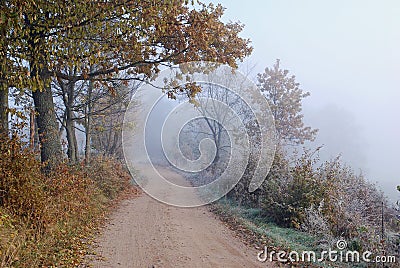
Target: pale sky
[{"x": 346, "y": 53}]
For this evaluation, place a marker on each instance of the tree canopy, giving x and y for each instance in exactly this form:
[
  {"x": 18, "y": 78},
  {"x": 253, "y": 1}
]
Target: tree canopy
[
  {"x": 285, "y": 96},
  {"x": 43, "y": 39},
  {"x": 114, "y": 35}
]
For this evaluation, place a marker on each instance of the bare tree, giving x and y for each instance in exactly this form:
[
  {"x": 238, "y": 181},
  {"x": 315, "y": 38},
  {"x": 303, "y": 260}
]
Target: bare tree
[{"x": 104, "y": 118}]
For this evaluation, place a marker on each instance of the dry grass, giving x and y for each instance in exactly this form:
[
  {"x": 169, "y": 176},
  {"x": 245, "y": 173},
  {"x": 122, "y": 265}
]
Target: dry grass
[{"x": 48, "y": 220}]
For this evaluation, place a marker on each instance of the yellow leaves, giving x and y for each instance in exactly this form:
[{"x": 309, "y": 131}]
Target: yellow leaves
[
  {"x": 6, "y": 221},
  {"x": 3, "y": 18},
  {"x": 194, "y": 102},
  {"x": 171, "y": 95},
  {"x": 85, "y": 75},
  {"x": 116, "y": 70},
  {"x": 156, "y": 31}
]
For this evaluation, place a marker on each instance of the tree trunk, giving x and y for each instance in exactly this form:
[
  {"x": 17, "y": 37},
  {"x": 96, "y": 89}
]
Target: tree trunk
[
  {"x": 88, "y": 123},
  {"x": 3, "y": 83},
  {"x": 113, "y": 149},
  {"x": 72, "y": 142},
  {"x": 50, "y": 149},
  {"x": 71, "y": 138},
  {"x": 3, "y": 108},
  {"x": 32, "y": 129},
  {"x": 75, "y": 143},
  {"x": 68, "y": 119},
  {"x": 70, "y": 125},
  {"x": 47, "y": 125}
]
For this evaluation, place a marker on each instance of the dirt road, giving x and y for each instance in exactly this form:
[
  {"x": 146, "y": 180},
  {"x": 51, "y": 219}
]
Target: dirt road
[{"x": 146, "y": 233}]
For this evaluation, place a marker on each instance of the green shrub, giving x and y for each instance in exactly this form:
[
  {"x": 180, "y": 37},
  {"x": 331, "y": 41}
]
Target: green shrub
[{"x": 289, "y": 191}]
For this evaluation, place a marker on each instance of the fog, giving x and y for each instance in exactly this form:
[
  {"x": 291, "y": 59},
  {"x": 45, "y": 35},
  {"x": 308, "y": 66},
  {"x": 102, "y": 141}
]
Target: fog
[{"x": 346, "y": 54}]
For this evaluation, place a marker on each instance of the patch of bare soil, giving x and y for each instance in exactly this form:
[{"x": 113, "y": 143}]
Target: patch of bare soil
[{"x": 143, "y": 232}]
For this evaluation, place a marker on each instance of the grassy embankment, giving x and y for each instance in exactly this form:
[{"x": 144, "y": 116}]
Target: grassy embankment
[
  {"x": 258, "y": 231},
  {"x": 49, "y": 220}
]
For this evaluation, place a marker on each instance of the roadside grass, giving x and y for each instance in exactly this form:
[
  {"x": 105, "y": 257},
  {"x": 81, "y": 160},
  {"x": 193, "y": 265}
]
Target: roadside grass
[
  {"x": 50, "y": 220},
  {"x": 258, "y": 231},
  {"x": 276, "y": 236}
]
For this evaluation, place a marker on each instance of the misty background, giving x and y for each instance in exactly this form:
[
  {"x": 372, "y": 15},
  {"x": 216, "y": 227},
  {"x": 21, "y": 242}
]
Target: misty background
[{"x": 346, "y": 54}]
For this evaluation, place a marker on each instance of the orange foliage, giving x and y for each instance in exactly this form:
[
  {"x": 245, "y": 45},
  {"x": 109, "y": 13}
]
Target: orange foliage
[{"x": 45, "y": 220}]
